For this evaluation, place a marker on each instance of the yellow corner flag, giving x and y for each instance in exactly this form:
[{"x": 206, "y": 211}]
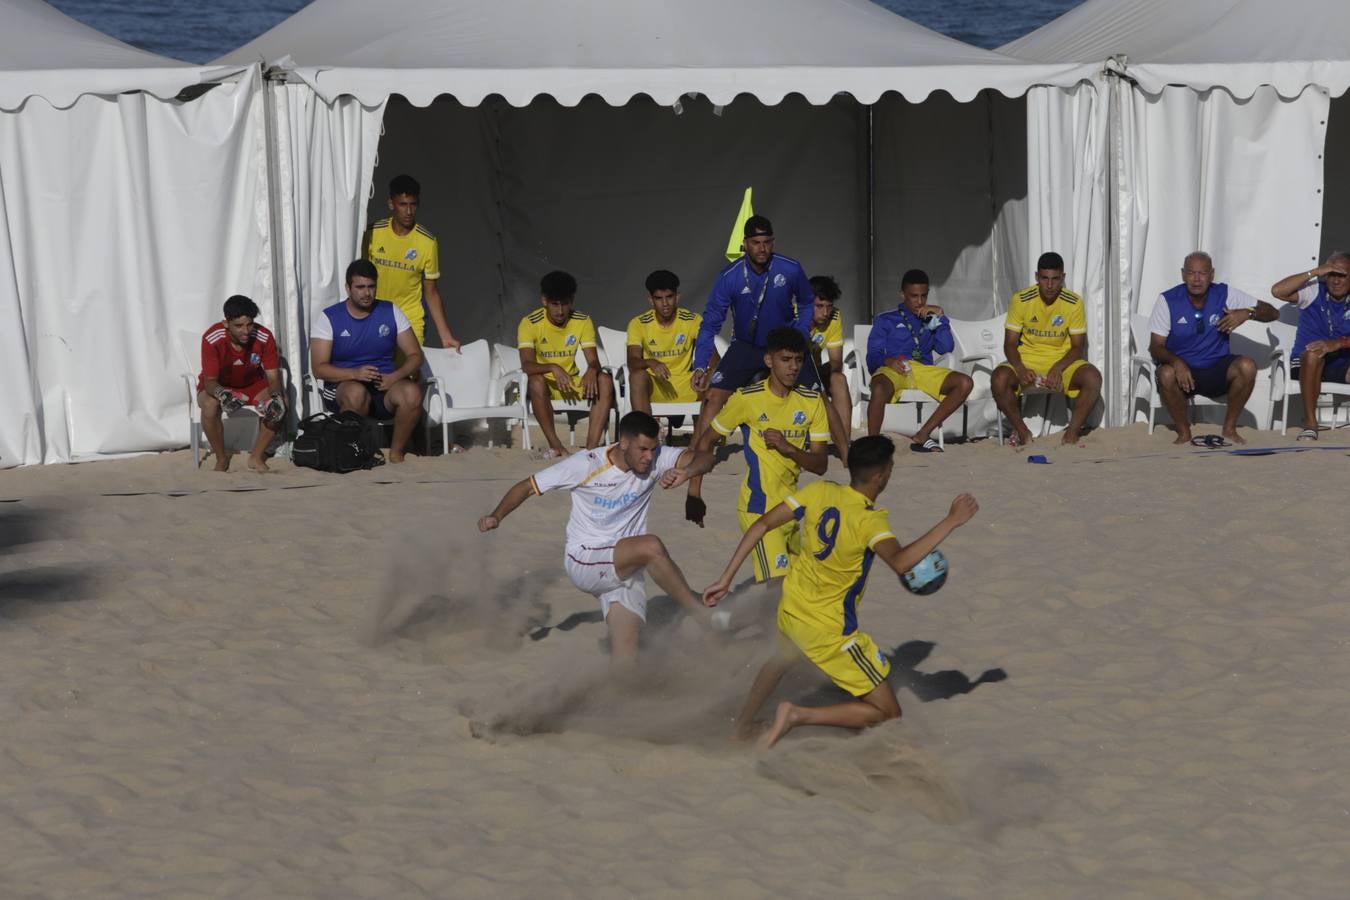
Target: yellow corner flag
[{"x": 738, "y": 230}]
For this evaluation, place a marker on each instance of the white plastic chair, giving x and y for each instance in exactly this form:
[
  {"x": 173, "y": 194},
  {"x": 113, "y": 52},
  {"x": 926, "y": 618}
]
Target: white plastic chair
[
  {"x": 1143, "y": 365},
  {"x": 979, "y": 350},
  {"x": 614, "y": 355},
  {"x": 890, "y": 421},
  {"x": 504, "y": 375},
  {"x": 240, "y": 438},
  {"x": 460, "y": 387},
  {"x": 574, "y": 411},
  {"x": 1284, "y": 385}
]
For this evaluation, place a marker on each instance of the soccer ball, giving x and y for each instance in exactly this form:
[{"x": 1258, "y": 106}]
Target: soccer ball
[{"x": 926, "y": 577}]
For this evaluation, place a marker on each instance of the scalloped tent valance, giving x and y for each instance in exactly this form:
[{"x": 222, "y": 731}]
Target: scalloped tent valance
[
  {"x": 1236, "y": 45},
  {"x": 44, "y": 53},
  {"x": 569, "y": 49}
]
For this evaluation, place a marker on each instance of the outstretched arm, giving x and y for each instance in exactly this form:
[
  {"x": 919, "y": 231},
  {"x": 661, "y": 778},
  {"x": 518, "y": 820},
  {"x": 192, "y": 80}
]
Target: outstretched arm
[
  {"x": 691, "y": 464},
  {"x": 774, "y": 518},
  {"x": 518, "y": 494},
  {"x": 902, "y": 559}
]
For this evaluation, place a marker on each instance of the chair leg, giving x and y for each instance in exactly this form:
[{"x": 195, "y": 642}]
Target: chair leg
[{"x": 196, "y": 429}]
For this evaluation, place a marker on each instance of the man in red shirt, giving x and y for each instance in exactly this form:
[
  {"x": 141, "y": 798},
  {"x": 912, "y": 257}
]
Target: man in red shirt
[{"x": 240, "y": 367}]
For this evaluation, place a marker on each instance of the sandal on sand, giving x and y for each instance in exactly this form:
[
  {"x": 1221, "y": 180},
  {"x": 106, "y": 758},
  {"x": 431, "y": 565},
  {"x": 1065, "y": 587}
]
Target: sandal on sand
[
  {"x": 928, "y": 446},
  {"x": 1307, "y": 434},
  {"x": 1211, "y": 441}
]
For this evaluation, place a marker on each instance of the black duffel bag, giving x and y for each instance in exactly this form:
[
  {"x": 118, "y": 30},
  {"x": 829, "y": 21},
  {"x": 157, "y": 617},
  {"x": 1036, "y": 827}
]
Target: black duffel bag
[{"x": 338, "y": 442}]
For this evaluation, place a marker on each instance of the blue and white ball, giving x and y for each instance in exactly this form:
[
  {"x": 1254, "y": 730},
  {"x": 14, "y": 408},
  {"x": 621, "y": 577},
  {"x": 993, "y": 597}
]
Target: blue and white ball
[{"x": 926, "y": 577}]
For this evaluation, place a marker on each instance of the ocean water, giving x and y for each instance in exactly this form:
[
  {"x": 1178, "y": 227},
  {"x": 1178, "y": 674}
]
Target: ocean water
[{"x": 199, "y": 32}]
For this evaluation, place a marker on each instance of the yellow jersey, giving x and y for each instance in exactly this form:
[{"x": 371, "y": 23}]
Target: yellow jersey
[
  {"x": 403, "y": 261},
  {"x": 671, "y": 344},
  {"x": 829, "y": 337},
  {"x": 1045, "y": 329},
  {"x": 800, "y": 416},
  {"x": 840, "y": 530},
  {"x": 554, "y": 345}
]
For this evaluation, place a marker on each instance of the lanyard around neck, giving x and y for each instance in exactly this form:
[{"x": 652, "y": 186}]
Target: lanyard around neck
[{"x": 763, "y": 290}]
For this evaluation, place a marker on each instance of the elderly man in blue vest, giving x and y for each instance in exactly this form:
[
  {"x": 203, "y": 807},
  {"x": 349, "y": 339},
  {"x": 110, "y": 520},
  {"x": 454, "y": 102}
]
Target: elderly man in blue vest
[
  {"x": 1191, "y": 324},
  {"x": 1321, "y": 350}
]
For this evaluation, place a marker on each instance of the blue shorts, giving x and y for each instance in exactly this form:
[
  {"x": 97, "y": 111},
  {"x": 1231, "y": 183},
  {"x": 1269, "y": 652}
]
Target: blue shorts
[
  {"x": 744, "y": 364},
  {"x": 377, "y": 408},
  {"x": 1212, "y": 380},
  {"x": 1334, "y": 367}
]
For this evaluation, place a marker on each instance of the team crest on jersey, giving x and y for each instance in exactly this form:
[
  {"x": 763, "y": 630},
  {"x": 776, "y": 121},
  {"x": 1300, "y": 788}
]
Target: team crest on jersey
[
  {"x": 254, "y": 358},
  {"x": 1057, "y": 321},
  {"x": 819, "y": 338},
  {"x": 779, "y": 280},
  {"x": 411, "y": 254},
  {"x": 717, "y": 378},
  {"x": 680, "y": 339},
  {"x": 1214, "y": 318},
  {"x": 799, "y": 418},
  {"x": 384, "y": 331},
  {"x": 781, "y": 561},
  {"x": 571, "y": 339}
]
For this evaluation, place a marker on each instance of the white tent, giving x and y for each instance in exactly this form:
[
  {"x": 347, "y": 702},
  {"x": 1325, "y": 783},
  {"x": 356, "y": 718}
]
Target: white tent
[
  {"x": 1216, "y": 116},
  {"x": 612, "y": 139},
  {"x": 125, "y": 216}
]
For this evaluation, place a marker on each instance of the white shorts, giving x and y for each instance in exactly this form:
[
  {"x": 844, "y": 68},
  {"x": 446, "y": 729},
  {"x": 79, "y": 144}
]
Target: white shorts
[{"x": 592, "y": 570}]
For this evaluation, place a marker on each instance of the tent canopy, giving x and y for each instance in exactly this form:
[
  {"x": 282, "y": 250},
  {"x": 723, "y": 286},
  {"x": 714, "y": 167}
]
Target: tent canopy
[
  {"x": 44, "y": 53},
  {"x": 567, "y": 49},
  {"x": 1238, "y": 45}
]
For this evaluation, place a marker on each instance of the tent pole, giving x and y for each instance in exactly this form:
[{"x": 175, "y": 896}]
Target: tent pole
[
  {"x": 871, "y": 219},
  {"x": 280, "y": 315}
]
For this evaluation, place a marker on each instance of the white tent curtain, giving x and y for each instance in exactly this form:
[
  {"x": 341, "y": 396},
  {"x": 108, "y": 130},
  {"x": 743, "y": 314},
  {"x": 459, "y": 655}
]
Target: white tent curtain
[
  {"x": 326, "y": 155},
  {"x": 126, "y": 219}
]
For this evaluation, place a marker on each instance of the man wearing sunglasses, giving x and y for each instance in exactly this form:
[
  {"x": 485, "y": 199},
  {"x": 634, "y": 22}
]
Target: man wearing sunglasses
[
  {"x": 1190, "y": 326},
  {"x": 1322, "y": 345}
]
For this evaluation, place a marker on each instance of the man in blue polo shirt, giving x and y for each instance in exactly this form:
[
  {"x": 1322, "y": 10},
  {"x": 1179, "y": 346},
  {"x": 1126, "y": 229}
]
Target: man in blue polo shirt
[
  {"x": 1191, "y": 324},
  {"x": 1321, "y": 350},
  {"x": 351, "y": 347},
  {"x": 900, "y": 353},
  {"x": 763, "y": 290}
]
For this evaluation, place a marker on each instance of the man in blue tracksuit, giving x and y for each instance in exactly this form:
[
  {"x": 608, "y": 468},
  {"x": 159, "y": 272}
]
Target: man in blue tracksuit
[
  {"x": 1190, "y": 327},
  {"x": 763, "y": 290},
  {"x": 1321, "y": 351}
]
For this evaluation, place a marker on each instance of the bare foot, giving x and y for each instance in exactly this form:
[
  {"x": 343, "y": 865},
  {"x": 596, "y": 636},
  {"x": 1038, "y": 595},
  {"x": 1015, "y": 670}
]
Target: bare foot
[
  {"x": 395, "y": 456},
  {"x": 258, "y": 464},
  {"x": 1072, "y": 441},
  {"x": 1020, "y": 438},
  {"x": 783, "y": 720},
  {"x": 744, "y": 732},
  {"x": 222, "y": 464},
  {"x": 1233, "y": 436}
]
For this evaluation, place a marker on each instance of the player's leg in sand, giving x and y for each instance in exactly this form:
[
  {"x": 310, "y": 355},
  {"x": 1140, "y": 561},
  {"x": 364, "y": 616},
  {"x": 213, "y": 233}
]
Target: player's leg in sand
[
  {"x": 876, "y": 706},
  {"x": 765, "y": 682},
  {"x": 623, "y": 625},
  {"x": 648, "y": 552}
]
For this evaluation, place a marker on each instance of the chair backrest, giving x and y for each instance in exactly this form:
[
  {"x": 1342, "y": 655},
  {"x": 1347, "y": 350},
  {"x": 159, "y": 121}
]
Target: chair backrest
[
  {"x": 1281, "y": 336},
  {"x": 860, "y": 335},
  {"x": 1141, "y": 331},
  {"x": 979, "y": 337},
  {"x": 613, "y": 345},
  {"x": 505, "y": 358},
  {"x": 465, "y": 378},
  {"x": 190, "y": 349}
]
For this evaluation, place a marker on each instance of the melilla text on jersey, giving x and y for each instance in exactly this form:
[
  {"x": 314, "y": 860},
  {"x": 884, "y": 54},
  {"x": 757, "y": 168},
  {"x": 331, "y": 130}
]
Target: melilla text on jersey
[{"x": 394, "y": 263}]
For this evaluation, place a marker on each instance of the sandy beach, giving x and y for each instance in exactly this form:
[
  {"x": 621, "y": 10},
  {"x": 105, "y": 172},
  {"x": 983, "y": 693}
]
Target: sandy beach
[{"x": 311, "y": 685}]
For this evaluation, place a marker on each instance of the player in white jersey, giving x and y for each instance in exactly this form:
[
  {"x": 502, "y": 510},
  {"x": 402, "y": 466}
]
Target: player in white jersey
[{"x": 608, "y": 548}]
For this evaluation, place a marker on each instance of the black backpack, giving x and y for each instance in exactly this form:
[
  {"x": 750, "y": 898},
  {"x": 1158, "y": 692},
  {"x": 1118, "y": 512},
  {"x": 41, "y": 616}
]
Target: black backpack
[{"x": 338, "y": 442}]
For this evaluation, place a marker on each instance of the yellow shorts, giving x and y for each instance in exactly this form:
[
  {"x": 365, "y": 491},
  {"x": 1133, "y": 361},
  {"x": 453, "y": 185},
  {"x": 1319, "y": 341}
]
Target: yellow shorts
[
  {"x": 853, "y": 661},
  {"x": 921, "y": 377},
  {"x": 1041, "y": 366},
  {"x": 771, "y": 554},
  {"x": 676, "y": 390},
  {"x": 556, "y": 393}
]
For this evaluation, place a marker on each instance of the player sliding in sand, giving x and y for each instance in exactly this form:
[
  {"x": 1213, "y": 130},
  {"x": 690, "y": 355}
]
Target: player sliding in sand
[
  {"x": 608, "y": 548},
  {"x": 841, "y": 531}
]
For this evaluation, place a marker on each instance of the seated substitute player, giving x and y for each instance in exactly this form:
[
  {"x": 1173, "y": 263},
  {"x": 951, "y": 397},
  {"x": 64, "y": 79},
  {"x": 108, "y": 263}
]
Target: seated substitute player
[
  {"x": 408, "y": 259},
  {"x": 661, "y": 347},
  {"x": 1044, "y": 341},
  {"x": 239, "y": 367},
  {"x": 352, "y": 347},
  {"x": 842, "y": 532},
  {"x": 827, "y": 336},
  {"x": 783, "y": 430},
  {"x": 1321, "y": 350},
  {"x": 608, "y": 548},
  {"x": 1190, "y": 327},
  {"x": 900, "y": 354},
  {"x": 548, "y": 340}
]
